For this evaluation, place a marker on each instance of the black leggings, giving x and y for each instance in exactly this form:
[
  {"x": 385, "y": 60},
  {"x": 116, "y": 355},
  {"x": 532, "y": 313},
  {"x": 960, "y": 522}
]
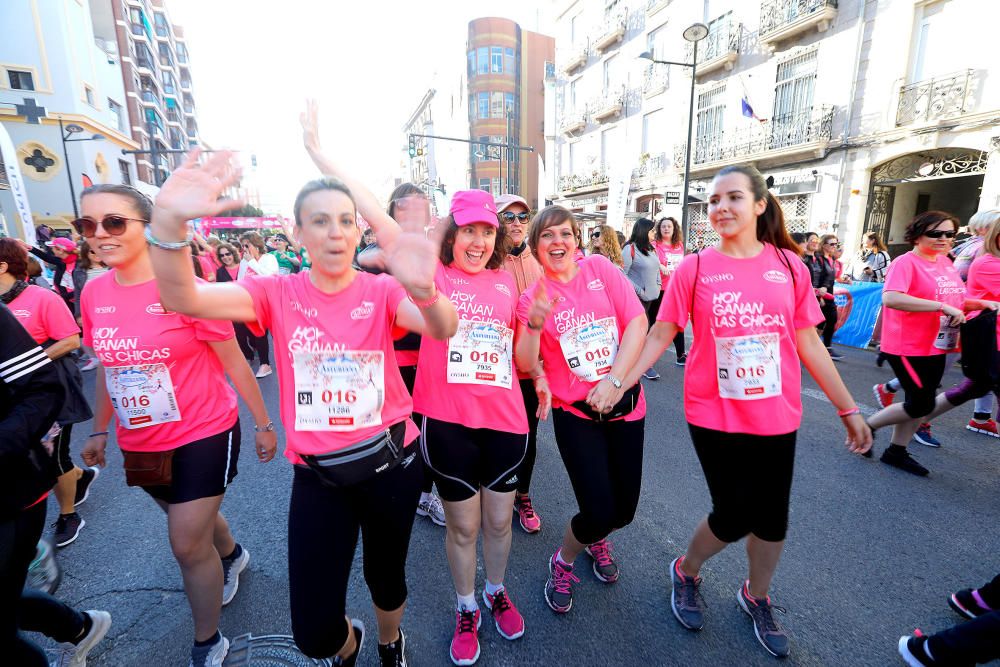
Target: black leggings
[
  {"x": 528, "y": 466},
  {"x": 971, "y": 642},
  {"x": 63, "y": 459},
  {"x": 652, "y": 308},
  {"x": 604, "y": 464},
  {"x": 323, "y": 525},
  {"x": 251, "y": 344},
  {"x": 919, "y": 377},
  {"x": 409, "y": 375},
  {"x": 829, "y": 309},
  {"x": 750, "y": 480}
]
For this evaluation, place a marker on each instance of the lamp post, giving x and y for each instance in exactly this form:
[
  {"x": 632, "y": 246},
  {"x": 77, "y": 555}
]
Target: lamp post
[
  {"x": 694, "y": 34},
  {"x": 65, "y": 133}
]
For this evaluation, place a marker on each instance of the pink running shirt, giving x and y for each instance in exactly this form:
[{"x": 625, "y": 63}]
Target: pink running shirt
[
  {"x": 598, "y": 291},
  {"x": 44, "y": 314},
  {"x": 138, "y": 341},
  {"x": 476, "y": 396},
  {"x": 744, "y": 310},
  {"x": 669, "y": 256},
  {"x": 348, "y": 335},
  {"x": 984, "y": 282},
  {"x": 913, "y": 334}
]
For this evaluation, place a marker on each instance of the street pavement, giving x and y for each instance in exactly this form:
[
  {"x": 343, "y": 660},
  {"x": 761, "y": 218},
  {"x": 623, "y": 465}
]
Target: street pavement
[{"x": 872, "y": 553}]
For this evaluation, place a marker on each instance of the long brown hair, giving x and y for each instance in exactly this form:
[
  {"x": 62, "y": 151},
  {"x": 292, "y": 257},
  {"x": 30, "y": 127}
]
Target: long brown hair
[
  {"x": 609, "y": 245},
  {"x": 879, "y": 244},
  {"x": 771, "y": 223}
]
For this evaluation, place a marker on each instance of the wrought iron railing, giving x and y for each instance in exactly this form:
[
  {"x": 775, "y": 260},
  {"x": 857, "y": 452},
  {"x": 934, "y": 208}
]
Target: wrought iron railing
[
  {"x": 723, "y": 39},
  {"x": 775, "y": 14},
  {"x": 940, "y": 97},
  {"x": 651, "y": 165},
  {"x": 785, "y": 131},
  {"x": 572, "y": 119},
  {"x": 654, "y": 78},
  {"x": 577, "y": 181}
]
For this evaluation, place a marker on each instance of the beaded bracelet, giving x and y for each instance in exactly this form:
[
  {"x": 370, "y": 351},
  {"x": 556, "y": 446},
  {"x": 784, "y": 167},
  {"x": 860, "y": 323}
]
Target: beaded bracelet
[
  {"x": 426, "y": 304},
  {"x": 168, "y": 245}
]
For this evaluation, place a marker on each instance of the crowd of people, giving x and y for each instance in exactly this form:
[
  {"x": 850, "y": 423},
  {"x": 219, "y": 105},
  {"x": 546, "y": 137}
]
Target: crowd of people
[{"x": 425, "y": 357}]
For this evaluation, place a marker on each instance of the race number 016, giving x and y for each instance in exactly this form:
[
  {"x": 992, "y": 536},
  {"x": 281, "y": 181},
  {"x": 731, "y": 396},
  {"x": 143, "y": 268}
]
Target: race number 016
[
  {"x": 750, "y": 372},
  {"x": 339, "y": 396},
  {"x": 135, "y": 401},
  {"x": 485, "y": 357},
  {"x": 600, "y": 353}
]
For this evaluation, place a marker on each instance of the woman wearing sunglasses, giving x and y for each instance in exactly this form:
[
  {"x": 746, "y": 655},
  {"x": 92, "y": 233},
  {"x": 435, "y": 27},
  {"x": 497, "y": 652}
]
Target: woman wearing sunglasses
[
  {"x": 177, "y": 420},
  {"x": 925, "y": 302},
  {"x": 828, "y": 271}
]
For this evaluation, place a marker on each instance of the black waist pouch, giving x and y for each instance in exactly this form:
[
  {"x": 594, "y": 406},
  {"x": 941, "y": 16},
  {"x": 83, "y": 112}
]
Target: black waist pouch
[
  {"x": 624, "y": 407},
  {"x": 361, "y": 461}
]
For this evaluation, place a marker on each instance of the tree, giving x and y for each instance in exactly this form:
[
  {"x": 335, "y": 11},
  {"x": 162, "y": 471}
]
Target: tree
[{"x": 245, "y": 211}]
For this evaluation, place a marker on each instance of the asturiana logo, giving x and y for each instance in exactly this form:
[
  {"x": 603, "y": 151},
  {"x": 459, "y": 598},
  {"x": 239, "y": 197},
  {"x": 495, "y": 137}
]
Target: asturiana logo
[
  {"x": 596, "y": 285},
  {"x": 775, "y": 276},
  {"x": 364, "y": 311},
  {"x": 156, "y": 309},
  {"x": 503, "y": 289}
]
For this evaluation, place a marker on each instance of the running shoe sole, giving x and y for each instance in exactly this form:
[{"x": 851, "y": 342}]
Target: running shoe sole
[
  {"x": 878, "y": 399},
  {"x": 982, "y": 430},
  {"x": 957, "y": 606},
  {"x": 479, "y": 648},
  {"x": 497, "y": 623},
  {"x": 431, "y": 516},
  {"x": 239, "y": 565},
  {"x": 597, "y": 573},
  {"x": 743, "y": 606},
  {"x": 673, "y": 601},
  {"x": 75, "y": 535},
  {"x": 101, "y": 623},
  {"x": 904, "y": 652},
  {"x": 86, "y": 494},
  {"x": 525, "y": 528},
  {"x": 545, "y": 592},
  {"x": 925, "y": 443}
]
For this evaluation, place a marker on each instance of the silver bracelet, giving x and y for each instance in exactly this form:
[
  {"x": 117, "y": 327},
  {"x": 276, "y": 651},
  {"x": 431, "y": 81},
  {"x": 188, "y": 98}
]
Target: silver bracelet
[{"x": 168, "y": 245}]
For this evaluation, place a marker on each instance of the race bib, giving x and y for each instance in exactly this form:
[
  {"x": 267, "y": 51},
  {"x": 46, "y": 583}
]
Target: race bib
[
  {"x": 673, "y": 261},
  {"x": 142, "y": 395},
  {"x": 338, "y": 391},
  {"x": 749, "y": 366},
  {"x": 590, "y": 349},
  {"x": 481, "y": 353}
]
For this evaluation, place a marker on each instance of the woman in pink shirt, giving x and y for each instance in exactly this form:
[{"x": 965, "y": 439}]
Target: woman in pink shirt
[
  {"x": 164, "y": 382},
  {"x": 345, "y": 408},
  {"x": 751, "y": 303},
  {"x": 586, "y": 324},
  {"x": 925, "y": 302},
  {"x": 669, "y": 245}
]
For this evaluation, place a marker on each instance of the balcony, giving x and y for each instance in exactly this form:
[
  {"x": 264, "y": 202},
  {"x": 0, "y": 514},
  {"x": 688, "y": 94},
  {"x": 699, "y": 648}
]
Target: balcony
[
  {"x": 173, "y": 117},
  {"x": 162, "y": 31},
  {"x": 783, "y": 19},
  {"x": 169, "y": 88},
  {"x": 185, "y": 84},
  {"x": 149, "y": 96},
  {"x": 654, "y": 79},
  {"x": 609, "y": 106},
  {"x": 596, "y": 180},
  {"x": 651, "y": 165},
  {"x": 188, "y": 108},
  {"x": 138, "y": 30},
  {"x": 182, "y": 57},
  {"x": 935, "y": 99},
  {"x": 720, "y": 49},
  {"x": 192, "y": 134},
  {"x": 653, "y": 6},
  {"x": 574, "y": 122},
  {"x": 802, "y": 134},
  {"x": 145, "y": 63},
  {"x": 575, "y": 61},
  {"x": 166, "y": 60},
  {"x": 612, "y": 35}
]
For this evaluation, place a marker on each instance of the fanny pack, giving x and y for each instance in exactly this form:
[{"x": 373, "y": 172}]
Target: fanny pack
[
  {"x": 622, "y": 408},
  {"x": 360, "y": 461},
  {"x": 149, "y": 468}
]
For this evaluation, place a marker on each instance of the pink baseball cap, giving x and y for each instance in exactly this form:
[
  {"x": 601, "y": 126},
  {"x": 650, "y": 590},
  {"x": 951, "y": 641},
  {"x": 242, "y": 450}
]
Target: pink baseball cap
[
  {"x": 505, "y": 201},
  {"x": 472, "y": 206},
  {"x": 62, "y": 243}
]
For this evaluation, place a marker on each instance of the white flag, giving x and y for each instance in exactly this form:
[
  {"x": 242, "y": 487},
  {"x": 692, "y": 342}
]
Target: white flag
[{"x": 16, "y": 183}]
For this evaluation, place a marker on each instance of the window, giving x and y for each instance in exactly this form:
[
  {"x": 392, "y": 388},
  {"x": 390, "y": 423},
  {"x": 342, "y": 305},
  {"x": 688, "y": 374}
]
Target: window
[
  {"x": 508, "y": 105},
  {"x": 496, "y": 105},
  {"x": 20, "y": 80},
  {"x": 496, "y": 59},
  {"x": 572, "y": 30},
  {"x": 607, "y": 139},
  {"x": 116, "y": 114},
  {"x": 472, "y": 63},
  {"x": 656, "y": 42},
  {"x": 653, "y": 132},
  {"x": 496, "y": 186},
  {"x": 508, "y": 61},
  {"x": 160, "y": 22},
  {"x": 484, "y": 184},
  {"x": 88, "y": 94},
  {"x": 483, "y": 57},
  {"x": 483, "y": 100},
  {"x": 572, "y": 158},
  {"x": 182, "y": 53},
  {"x": 609, "y": 74},
  {"x": 481, "y": 152},
  {"x": 796, "y": 209},
  {"x": 125, "y": 172},
  {"x": 165, "y": 57},
  {"x": 793, "y": 87},
  {"x": 472, "y": 108},
  {"x": 711, "y": 107},
  {"x": 572, "y": 95}
]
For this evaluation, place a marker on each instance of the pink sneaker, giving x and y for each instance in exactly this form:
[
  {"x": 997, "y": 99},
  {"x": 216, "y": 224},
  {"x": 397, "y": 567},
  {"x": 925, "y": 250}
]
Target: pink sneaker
[
  {"x": 465, "y": 642},
  {"x": 530, "y": 522},
  {"x": 509, "y": 622},
  {"x": 883, "y": 395},
  {"x": 605, "y": 567}
]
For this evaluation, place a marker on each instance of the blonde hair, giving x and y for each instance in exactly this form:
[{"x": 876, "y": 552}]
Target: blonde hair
[
  {"x": 992, "y": 243},
  {"x": 609, "y": 245}
]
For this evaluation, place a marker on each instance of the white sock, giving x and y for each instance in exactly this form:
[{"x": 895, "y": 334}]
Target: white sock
[
  {"x": 491, "y": 588},
  {"x": 467, "y": 602},
  {"x": 559, "y": 558},
  {"x": 425, "y": 497}
]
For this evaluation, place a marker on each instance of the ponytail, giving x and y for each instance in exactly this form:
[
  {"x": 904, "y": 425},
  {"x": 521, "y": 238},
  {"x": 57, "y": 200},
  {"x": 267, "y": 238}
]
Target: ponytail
[{"x": 771, "y": 223}]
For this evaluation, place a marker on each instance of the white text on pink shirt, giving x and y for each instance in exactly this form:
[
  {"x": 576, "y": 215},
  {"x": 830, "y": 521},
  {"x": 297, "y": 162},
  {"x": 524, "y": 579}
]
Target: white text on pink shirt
[{"x": 729, "y": 311}]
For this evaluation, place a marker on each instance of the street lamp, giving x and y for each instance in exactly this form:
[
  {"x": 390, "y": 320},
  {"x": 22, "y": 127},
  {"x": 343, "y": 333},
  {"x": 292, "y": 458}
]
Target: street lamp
[
  {"x": 694, "y": 34},
  {"x": 65, "y": 133}
]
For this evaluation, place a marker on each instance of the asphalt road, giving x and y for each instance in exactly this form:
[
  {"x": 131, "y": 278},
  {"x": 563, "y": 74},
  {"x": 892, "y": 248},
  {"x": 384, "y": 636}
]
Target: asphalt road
[{"x": 872, "y": 553}]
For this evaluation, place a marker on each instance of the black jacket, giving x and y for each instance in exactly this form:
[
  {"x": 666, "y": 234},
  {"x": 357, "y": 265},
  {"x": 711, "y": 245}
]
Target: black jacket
[{"x": 821, "y": 270}]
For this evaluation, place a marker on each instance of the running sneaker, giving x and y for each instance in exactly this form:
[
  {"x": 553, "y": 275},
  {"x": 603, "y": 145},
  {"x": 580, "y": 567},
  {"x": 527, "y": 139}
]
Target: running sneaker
[
  {"x": 559, "y": 587},
  {"x": 465, "y": 642},
  {"x": 210, "y": 656},
  {"x": 836, "y": 356},
  {"x": 69, "y": 654},
  {"x": 231, "y": 569},
  {"x": 883, "y": 396},
  {"x": 359, "y": 638},
  {"x": 83, "y": 484},
  {"x": 969, "y": 603},
  {"x": 394, "y": 654},
  {"x": 509, "y": 622},
  {"x": 530, "y": 521},
  {"x": 685, "y": 597},
  {"x": 431, "y": 507},
  {"x": 914, "y": 652},
  {"x": 264, "y": 370},
  {"x": 880, "y": 359},
  {"x": 67, "y": 528},
  {"x": 90, "y": 364},
  {"x": 651, "y": 374},
  {"x": 988, "y": 427},
  {"x": 924, "y": 437},
  {"x": 903, "y": 461},
  {"x": 681, "y": 360},
  {"x": 605, "y": 567},
  {"x": 769, "y": 632}
]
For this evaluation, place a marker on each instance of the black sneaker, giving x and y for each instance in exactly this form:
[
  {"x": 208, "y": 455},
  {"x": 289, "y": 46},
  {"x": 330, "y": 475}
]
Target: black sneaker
[
  {"x": 67, "y": 528},
  {"x": 769, "y": 632},
  {"x": 911, "y": 648},
  {"x": 966, "y": 602},
  {"x": 836, "y": 356},
  {"x": 83, "y": 484},
  {"x": 359, "y": 636},
  {"x": 394, "y": 654},
  {"x": 685, "y": 598},
  {"x": 681, "y": 359},
  {"x": 904, "y": 462}
]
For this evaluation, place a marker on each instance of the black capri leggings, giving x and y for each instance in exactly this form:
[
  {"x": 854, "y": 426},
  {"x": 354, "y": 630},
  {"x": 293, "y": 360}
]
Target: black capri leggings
[
  {"x": 323, "y": 525},
  {"x": 829, "y": 309},
  {"x": 652, "y": 309},
  {"x": 750, "y": 480},
  {"x": 604, "y": 463},
  {"x": 528, "y": 465},
  {"x": 251, "y": 344},
  {"x": 919, "y": 377},
  {"x": 63, "y": 459}
]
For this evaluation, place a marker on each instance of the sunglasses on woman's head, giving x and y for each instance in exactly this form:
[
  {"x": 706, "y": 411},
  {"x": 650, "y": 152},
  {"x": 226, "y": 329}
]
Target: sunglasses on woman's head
[
  {"x": 939, "y": 233},
  {"x": 113, "y": 224},
  {"x": 510, "y": 216}
]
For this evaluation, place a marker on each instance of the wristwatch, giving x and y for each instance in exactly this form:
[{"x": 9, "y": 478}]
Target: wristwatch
[
  {"x": 613, "y": 380},
  {"x": 262, "y": 429}
]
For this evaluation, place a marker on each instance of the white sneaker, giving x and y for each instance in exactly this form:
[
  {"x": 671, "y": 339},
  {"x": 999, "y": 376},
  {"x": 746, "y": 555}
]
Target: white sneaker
[
  {"x": 213, "y": 657},
  {"x": 431, "y": 508},
  {"x": 264, "y": 371},
  {"x": 231, "y": 575},
  {"x": 75, "y": 655},
  {"x": 90, "y": 364}
]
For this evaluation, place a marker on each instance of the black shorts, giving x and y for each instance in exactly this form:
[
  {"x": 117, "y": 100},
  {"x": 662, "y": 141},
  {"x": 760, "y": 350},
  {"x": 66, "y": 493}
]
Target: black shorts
[
  {"x": 201, "y": 469},
  {"x": 919, "y": 377},
  {"x": 464, "y": 459}
]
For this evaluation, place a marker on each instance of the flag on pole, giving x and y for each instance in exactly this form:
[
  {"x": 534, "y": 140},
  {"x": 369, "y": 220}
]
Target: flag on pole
[{"x": 748, "y": 110}]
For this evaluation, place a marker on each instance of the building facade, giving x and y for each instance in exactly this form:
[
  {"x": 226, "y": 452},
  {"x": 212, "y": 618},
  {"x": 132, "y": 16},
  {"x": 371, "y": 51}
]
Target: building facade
[{"x": 861, "y": 113}]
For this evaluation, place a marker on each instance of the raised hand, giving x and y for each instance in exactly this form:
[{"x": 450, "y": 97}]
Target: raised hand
[
  {"x": 540, "y": 308},
  {"x": 195, "y": 190},
  {"x": 413, "y": 255},
  {"x": 309, "y": 119}
]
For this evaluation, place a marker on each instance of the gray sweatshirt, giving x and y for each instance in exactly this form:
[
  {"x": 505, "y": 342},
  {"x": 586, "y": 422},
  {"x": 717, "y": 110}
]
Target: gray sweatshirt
[{"x": 643, "y": 271}]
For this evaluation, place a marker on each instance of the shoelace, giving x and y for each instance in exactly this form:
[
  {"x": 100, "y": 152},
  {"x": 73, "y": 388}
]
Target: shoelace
[
  {"x": 524, "y": 504},
  {"x": 765, "y": 611},
  {"x": 601, "y": 551},
  {"x": 466, "y": 621},
  {"x": 65, "y": 652},
  {"x": 563, "y": 578},
  {"x": 690, "y": 590},
  {"x": 500, "y": 602}
]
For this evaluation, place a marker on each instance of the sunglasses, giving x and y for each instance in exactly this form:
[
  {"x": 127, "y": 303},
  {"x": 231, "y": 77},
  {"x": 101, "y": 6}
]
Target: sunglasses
[
  {"x": 113, "y": 224},
  {"x": 510, "y": 216},
  {"x": 225, "y": 254},
  {"x": 939, "y": 233},
  {"x": 595, "y": 235}
]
